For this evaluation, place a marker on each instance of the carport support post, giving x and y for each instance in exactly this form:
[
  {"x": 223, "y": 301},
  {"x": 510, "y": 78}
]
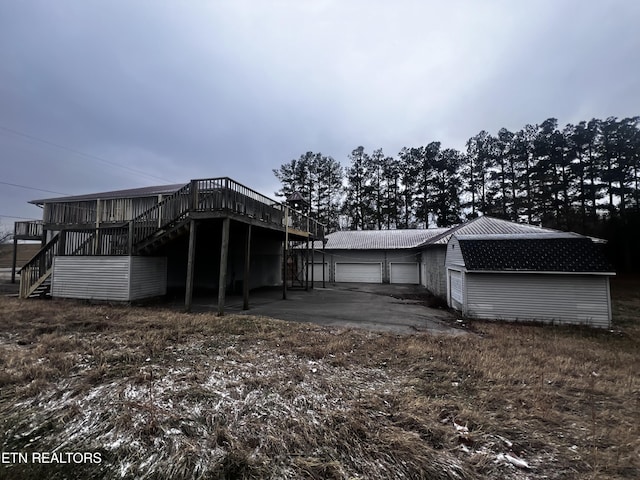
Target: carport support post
[
  {"x": 284, "y": 271},
  {"x": 306, "y": 262},
  {"x": 190, "y": 266},
  {"x": 247, "y": 263},
  {"x": 323, "y": 269},
  {"x": 224, "y": 254},
  {"x": 284, "y": 252},
  {"x": 15, "y": 259},
  {"x": 313, "y": 261}
]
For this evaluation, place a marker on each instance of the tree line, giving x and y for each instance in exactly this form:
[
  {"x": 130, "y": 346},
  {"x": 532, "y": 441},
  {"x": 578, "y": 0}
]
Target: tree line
[{"x": 569, "y": 178}]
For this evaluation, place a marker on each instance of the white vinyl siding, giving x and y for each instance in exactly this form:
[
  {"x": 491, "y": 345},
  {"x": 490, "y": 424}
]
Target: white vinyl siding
[
  {"x": 111, "y": 278},
  {"x": 454, "y": 255},
  {"x": 434, "y": 273},
  {"x": 554, "y": 298},
  {"x": 404, "y": 273},
  {"x": 359, "y": 272},
  {"x": 92, "y": 277}
]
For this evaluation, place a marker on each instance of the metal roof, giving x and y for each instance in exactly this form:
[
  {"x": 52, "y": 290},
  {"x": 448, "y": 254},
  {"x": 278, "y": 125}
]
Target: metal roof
[
  {"x": 130, "y": 193},
  {"x": 532, "y": 253},
  {"x": 378, "y": 239},
  {"x": 489, "y": 226}
]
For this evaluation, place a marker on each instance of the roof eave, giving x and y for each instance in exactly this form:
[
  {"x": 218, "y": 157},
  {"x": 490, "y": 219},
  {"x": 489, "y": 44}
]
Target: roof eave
[{"x": 548, "y": 272}]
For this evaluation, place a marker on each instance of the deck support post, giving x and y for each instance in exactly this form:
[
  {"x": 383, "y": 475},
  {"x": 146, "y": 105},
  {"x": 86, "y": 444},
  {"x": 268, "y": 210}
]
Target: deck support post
[
  {"x": 96, "y": 241},
  {"x": 42, "y": 264},
  {"x": 194, "y": 195},
  {"x": 247, "y": 272},
  {"x": 15, "y": 259},
  {"x": 62, "y": 243},
  {"x": 130, "y": 239},
  {"x": 188, "y": 296},
  {"x": 224, "y": 254}
]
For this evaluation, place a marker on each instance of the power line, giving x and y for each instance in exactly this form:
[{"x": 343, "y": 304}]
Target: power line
[
  {"x": 83, "y": 154},
  {"x": 32, "y": 188},
  {"x": 21, "y": 218}
]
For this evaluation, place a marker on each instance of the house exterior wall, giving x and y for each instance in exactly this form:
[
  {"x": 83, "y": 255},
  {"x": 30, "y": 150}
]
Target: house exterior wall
[
  {"x": 91, "y": 277},
  {"x": 553, "y": 298},
  {"x": 434, "y": 276},
  {"x": 114, "y": 278}
]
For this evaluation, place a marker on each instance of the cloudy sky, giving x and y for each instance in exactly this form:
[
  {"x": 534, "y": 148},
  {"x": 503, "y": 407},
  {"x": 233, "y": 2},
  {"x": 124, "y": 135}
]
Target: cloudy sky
[{"x": 106, "y": 95}]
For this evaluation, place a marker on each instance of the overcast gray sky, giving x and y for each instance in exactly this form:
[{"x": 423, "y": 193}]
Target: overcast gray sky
[{"x": 105, "y": 95}]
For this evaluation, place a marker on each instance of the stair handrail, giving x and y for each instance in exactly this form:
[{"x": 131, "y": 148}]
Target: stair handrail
[
  {"x": 170, "y": 209},
  {"x": 38, "y": 266}
]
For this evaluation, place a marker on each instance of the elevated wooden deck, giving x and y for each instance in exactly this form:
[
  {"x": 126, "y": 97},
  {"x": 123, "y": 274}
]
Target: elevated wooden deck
[{"x": 83, "y": 230}]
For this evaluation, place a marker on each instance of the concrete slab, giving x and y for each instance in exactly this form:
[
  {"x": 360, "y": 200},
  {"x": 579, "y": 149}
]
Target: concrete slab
[{"x": 369, "y": 306}]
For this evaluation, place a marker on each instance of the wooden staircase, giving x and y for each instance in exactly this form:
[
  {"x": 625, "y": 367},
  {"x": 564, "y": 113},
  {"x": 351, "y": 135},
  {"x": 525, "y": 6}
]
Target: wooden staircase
[
  {"x": 162, "y": 237},
  {"x": 35, "y": 275}
]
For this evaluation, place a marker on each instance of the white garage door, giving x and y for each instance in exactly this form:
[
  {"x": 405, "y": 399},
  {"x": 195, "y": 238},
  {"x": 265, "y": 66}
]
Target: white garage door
[
  {"x": 455, "y": 286},
  {"x": 405, "y": 273},
  {"x": 317, "y": 272},
  {"x": 359, "y": 272}
]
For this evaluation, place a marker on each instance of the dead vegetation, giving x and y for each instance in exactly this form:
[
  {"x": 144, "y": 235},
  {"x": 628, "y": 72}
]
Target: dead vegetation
[{"x": 167, "y": 395}]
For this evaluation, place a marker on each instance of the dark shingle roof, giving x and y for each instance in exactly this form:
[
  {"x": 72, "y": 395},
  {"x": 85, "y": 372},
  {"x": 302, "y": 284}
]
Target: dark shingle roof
[
  {"x": 556, "y": 254},
  {"x": 130, "y": 193}
]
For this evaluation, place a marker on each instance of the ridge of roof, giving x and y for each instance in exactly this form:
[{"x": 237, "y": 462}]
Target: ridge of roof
[
  {"x": 127, "y": 193},
  {"x": 487, "y": 225},
  {"x": 517, "y": 236},
  {"x": 378, "y": 239}
]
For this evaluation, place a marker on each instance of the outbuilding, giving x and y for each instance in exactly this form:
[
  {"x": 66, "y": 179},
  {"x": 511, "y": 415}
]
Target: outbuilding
[
  {"x": 560, "y": 278},
  {"x": 372, "y": 256},
  {"x": 434, "y": 249}
]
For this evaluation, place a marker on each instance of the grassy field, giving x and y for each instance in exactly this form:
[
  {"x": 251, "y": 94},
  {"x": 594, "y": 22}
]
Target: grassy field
[{"x": 160, "y": 394}]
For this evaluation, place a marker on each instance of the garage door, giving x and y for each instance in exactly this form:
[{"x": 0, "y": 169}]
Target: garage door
[
  {"x": 317, "y": 272},
  {"x": 455, "y": 287},
  {"x": 359, "y": 272},
  {"x": 404, "y": 272}
]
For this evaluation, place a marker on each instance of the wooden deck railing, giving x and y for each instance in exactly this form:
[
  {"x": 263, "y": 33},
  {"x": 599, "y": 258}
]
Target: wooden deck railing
[
  {"x": 218, "y": 194},
  {"x": 28, "y": 230}
]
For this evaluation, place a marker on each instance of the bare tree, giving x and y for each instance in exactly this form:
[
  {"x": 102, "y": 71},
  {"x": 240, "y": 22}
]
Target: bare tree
[{"x": 6, "y": 235}]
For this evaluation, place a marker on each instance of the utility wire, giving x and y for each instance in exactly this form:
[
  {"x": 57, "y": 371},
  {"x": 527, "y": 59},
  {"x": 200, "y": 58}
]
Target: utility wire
[
  {"x": 21, "y": 218},
  {"x": 32, "y": 188},
  {"x": 82, "y": 154}
]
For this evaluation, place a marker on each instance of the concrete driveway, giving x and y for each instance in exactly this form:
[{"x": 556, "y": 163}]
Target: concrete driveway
[{"x": 379, "y": 307}]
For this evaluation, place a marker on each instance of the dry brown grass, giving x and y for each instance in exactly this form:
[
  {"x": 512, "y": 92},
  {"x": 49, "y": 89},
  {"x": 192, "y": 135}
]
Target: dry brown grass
[{"x": 167, "y": 395}]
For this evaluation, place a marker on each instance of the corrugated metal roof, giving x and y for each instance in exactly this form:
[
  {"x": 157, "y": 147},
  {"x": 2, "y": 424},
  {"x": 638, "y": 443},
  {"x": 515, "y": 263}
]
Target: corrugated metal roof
[
  {"x": 532, "y": 253},
  {"x": 130, "y": 193},
  {"x": 489, "y": 226},
  {"x": 378, "y": 239}
]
